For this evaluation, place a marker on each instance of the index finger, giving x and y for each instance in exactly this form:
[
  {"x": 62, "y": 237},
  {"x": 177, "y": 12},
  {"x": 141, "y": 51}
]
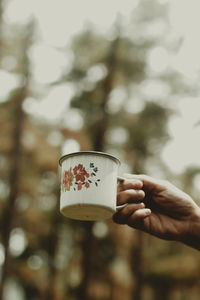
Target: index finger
[
  {"x": 149, "y": 182},
  {"x": 128, "y": 184}
]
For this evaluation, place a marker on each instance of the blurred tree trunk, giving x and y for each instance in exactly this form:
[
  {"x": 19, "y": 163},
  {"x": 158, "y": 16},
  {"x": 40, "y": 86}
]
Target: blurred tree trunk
[
  {"x": 162, "y": 292},
  {"x": 87, "y": 248},
  {"x": 100, "y": 126},
  {"x": 9, "y": 213},
  {"x": 52, "y": 243},
  {"x": 137, "y": 265}
]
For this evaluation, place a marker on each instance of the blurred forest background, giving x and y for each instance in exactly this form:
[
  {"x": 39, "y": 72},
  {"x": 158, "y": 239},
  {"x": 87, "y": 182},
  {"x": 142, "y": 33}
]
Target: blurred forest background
[{"x": 96, "y": 91}]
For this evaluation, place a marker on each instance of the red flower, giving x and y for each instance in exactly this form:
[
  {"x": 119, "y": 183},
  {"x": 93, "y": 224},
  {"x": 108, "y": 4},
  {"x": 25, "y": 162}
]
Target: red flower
[
  {"x": 87, "y": 185},
  {"x": 67, "y": 179},
  {"x": 79, "y": 186},
  {"x": 80, "y": 173}
]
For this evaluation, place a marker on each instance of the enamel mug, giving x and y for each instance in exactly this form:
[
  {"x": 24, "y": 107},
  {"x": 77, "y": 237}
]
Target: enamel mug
[{"x": 88, "y": 185}]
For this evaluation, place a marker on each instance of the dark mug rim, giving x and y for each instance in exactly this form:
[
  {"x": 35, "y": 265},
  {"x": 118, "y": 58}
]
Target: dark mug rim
[{"x": 65, "y": 156}]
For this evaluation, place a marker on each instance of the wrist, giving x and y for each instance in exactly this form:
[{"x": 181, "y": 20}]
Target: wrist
[{"x": 192, "y": 238}]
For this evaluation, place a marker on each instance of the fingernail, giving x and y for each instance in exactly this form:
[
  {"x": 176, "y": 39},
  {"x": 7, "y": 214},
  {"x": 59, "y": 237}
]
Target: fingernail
[
  {"x": 147, "y": 211},
  {"x": 141, "y": 193},
  {"x": 120, "y": 179}
]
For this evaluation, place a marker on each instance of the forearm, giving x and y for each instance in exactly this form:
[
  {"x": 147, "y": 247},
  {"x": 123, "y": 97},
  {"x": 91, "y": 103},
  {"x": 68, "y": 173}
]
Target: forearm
[{"x": 192, "y": 238}]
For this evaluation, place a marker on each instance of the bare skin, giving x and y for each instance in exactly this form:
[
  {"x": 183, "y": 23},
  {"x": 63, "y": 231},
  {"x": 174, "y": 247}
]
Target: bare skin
[{"x": 159, "y": 208}]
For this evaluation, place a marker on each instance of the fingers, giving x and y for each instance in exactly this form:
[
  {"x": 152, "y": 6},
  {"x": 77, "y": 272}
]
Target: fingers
[
  {"x": 128, "y": 184},
  {"x": 130, "y": 196},
  {"x": 136, "y": 219},
  {"x": 131, "y": 214},
  {"x": 130, "y": 191},
  {"x": 148, "y": 182}
]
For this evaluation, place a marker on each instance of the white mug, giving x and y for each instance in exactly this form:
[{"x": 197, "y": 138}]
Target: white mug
[{"x": 88, "y": 185}]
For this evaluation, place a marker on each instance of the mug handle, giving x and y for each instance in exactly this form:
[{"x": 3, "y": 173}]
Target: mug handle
[{"x": 119, "y": 207}]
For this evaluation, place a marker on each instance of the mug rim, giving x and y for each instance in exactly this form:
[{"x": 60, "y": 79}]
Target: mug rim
[{"x": 65, "y": 156}]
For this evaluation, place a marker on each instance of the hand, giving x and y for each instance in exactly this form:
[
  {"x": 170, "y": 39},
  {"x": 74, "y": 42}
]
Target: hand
[{"x": 159, "y": 208}]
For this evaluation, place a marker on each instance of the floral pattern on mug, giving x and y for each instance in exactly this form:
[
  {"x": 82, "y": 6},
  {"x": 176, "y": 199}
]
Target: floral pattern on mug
[{"x": 78, "y": 178}]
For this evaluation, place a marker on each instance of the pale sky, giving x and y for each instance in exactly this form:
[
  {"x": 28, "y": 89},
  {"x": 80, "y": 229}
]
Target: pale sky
[{"x": 59, "y": 20}]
